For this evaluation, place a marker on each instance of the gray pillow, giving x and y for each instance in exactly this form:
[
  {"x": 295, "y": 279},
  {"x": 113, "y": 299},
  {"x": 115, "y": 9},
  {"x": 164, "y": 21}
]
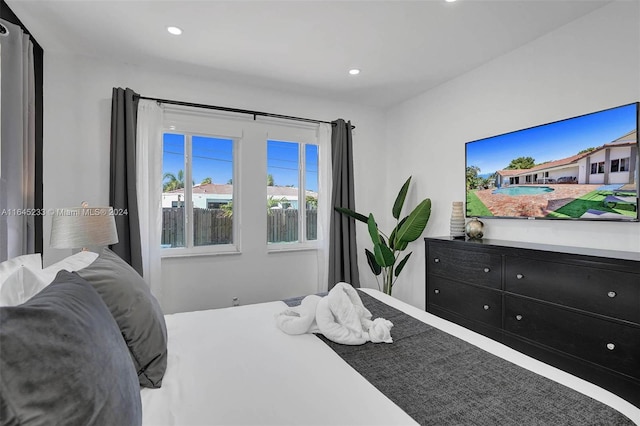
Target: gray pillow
[
  {"x": 136, "y": 311},
  {"x": 64, "y": 361}
]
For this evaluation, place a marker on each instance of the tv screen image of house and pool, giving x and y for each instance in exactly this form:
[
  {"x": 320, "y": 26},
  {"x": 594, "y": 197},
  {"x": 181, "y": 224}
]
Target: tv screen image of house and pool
[{"x": 581, "y": 168}]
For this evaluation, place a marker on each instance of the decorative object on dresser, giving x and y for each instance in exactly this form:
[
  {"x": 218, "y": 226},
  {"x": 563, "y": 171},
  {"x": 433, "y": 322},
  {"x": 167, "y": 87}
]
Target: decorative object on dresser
[
  {"x": 387, "y": 249},
  {"x": 475, "y": 229},
  {"x": 457, "y": 220},
  {"x": 577, "y": 309}
]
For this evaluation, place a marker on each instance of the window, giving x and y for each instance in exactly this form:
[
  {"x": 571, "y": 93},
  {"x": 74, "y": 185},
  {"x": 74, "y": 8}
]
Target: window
[
  {"x": 292, "y": 192},
  {"x": 198, "y": 192},
  {"x": 230, "y": 180},
  {"x": 615, "y": 165},
  {"x": 624, "y": 164},
  {"x": 620, "y": 165},
  {"x": 597, "y": 168}
]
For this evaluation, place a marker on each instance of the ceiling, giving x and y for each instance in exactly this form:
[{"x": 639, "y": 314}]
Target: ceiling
[{"x": 402, "y": 47}]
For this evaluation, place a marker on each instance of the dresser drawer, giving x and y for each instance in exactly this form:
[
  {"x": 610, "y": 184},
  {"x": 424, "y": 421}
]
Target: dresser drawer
[
  {"x": 475, "y": 303},
  {"x": 481, "y": 268},
  {"x": 607, "y": 292},
  {"x": 610, "y": 344}
]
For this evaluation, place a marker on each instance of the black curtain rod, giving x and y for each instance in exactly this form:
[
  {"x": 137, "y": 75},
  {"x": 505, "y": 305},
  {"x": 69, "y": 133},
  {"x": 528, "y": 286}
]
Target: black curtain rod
[{"x": 237, "y": 110}]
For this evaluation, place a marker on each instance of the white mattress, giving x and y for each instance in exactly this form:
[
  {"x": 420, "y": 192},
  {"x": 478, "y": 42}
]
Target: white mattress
[{"x": 233, "y": 366}]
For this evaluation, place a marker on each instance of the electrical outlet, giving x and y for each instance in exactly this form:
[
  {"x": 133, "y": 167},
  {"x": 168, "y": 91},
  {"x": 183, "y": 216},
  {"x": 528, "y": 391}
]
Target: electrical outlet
[{"x": 235, "y": 301}]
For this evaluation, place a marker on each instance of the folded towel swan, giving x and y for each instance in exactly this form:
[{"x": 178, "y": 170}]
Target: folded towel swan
[{"x": 340, "y": 317}]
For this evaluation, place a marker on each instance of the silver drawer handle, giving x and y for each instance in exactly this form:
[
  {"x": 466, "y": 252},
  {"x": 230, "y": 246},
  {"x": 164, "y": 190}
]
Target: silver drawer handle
[
  {"x": 436, "y": 260},
  {"x": 612, "y": 294},
  {"x": 486, "y": 307},
  {"x": 611, "y": 346},
  {"x": 487, "y": 269},
  {"x": 519, "y": 276},
  {"x": 519, "y": 317},
  {"x": 436, "y": 291}
]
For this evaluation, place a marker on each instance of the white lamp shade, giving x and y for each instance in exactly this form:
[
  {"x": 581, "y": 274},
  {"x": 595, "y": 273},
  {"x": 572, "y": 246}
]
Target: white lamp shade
[{"x": 78, "y": 227}]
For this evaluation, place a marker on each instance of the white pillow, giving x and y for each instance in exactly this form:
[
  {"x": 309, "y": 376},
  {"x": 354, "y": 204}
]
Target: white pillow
[
  {"x": 20, "y": 286},
  {"x": 8, "y": 267},
  {"x": 25, "y": 282},
  {"x": 72, "y": 263}
]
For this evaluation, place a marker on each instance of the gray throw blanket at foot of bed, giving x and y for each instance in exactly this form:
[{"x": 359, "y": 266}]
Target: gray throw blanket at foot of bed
[{"x": 439, "y": 379}]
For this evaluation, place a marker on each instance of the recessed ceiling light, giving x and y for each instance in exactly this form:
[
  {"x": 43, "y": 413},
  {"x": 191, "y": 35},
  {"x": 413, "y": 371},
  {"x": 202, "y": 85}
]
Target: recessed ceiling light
[
  {"x": 354, "y": 71},
  {"x": 174, "y": 30},
  {"x": 450, "y": 1}
]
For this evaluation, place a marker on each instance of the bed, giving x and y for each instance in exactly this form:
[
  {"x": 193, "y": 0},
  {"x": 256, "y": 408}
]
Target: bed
[
  {"x": 234, "y": 366},
  {"x": 92, "y": 347}
]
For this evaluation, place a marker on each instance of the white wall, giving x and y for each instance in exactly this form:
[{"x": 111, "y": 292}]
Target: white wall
[
  {"x": 77, "y": 108},
  {"x": 590, "y": 64}
]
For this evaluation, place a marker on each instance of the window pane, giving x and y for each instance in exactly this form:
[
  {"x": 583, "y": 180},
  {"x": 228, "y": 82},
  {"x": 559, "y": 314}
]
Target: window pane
[
  {"x": 614, "y": 165},
  {"x": 282, "y": 191},
  {"x": 212, "y": 193},
  {"x": 624, "y": 164},
  {"x": 173, "y": 218},
  {"x": 311, "y": 190}
]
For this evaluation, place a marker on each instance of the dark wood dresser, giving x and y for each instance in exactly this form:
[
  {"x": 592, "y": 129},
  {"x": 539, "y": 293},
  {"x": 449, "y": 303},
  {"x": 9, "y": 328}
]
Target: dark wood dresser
[{"x": 577, "y": 309}]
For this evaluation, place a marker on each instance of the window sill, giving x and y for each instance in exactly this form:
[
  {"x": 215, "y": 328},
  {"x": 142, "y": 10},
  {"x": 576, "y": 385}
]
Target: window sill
[
  {"x": 199, "y": 251},
  {"x": 289, "y": 247}
]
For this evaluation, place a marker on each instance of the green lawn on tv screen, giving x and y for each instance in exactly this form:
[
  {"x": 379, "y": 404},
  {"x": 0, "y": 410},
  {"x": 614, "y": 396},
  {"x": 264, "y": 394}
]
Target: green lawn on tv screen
[
  {"x": 475, "y": 207},
  {"x": 591, "y": 201},
  {"x": 575, "y": 209}
]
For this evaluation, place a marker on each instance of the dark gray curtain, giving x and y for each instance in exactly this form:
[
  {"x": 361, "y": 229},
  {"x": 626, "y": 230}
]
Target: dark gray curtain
[
  {"x": 343, "y": 260},
  {"x": 122, "y": 183}
]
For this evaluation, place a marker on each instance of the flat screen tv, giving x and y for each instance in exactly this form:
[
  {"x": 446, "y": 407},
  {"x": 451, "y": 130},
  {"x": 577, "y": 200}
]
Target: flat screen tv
[{"x": 581, "y": 168}]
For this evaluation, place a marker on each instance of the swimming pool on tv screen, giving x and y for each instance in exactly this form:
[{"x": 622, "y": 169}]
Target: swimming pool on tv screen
[{"x": 523, "y": 190}]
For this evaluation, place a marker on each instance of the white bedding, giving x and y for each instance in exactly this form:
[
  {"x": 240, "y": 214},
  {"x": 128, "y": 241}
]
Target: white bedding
[{"x": 233, "y": 366}]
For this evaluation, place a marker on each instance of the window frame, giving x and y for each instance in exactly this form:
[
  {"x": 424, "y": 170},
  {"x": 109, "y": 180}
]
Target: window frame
[
  {"x": 624, "y": 164},
  {"x": 196, "y": 123},
  {"x": 597, "y": 168},
  {"x": 601, "y": 167},
  {"x": 249, "y": 134},
  {"x": 293, "y": 134},
  {"x": 614, "y": 165}
]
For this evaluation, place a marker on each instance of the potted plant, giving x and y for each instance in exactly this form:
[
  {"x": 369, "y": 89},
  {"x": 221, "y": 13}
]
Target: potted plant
[{"x": 387, "y": 249}]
